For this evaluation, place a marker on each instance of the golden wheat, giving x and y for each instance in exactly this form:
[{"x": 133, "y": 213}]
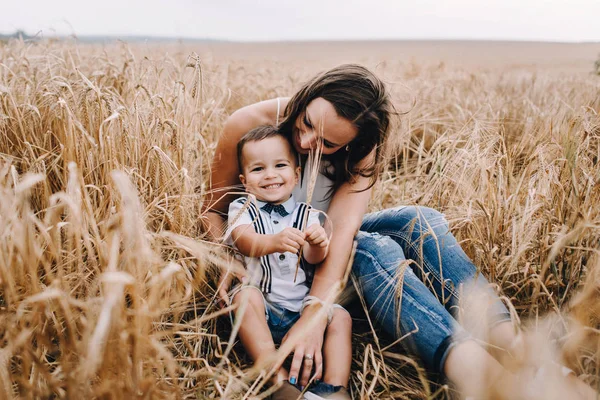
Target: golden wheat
[{"x": 107, "y": 284}]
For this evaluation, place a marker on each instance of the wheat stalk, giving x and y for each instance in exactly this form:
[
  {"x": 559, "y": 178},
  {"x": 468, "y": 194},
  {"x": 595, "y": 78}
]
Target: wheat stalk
[
  {"x": 107, "y": 279},
  {"x": 314, "y": 167}
]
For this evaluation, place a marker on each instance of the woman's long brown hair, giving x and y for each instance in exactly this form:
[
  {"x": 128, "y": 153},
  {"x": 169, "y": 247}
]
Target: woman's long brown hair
[{"x": 360, "y": 97}]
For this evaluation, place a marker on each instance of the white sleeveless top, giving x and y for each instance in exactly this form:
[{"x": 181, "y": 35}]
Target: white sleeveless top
[{"x": 319, "y": 200}]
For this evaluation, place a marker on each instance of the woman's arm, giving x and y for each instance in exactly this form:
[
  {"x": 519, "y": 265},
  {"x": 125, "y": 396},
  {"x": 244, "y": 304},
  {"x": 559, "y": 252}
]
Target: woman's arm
[
  {"x": 346, "y": 212},
  {"x": 224, "y": 176}
]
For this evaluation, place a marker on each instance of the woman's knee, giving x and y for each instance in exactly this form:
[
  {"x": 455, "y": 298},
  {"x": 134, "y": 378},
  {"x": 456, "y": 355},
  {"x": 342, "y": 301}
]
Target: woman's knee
[
  {"x": 378, "y": 247},
  {"x": 406, "y": 223},
  {"x": 426, "y": 217},
  {"x": 375, "y": 251}
]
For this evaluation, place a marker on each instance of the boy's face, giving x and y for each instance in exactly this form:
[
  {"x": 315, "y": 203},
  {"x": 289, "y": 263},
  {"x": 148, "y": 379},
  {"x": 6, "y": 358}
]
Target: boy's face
[{"x": 269, "y": 169}]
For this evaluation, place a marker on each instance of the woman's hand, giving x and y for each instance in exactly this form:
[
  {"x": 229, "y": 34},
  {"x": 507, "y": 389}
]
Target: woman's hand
[{"x": 307, "y": 336}]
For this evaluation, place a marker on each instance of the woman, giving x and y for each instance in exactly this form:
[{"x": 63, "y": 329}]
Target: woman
[{"x": 346, "y": 112}]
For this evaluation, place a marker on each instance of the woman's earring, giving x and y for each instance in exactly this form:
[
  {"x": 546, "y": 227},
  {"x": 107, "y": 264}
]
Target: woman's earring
[{"x": 347, "y": 147}]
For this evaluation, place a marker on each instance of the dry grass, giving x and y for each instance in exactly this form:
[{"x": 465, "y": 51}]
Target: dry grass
[{"x": 106, "y": 283}]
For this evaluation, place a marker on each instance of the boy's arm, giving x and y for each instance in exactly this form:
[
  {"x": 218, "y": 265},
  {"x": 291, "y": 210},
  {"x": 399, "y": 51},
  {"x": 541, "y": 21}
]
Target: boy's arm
[
  {"x": 250, "y": 243},
  {"x": 253, "y": 244},
  {"x": 315, "y": 254}
]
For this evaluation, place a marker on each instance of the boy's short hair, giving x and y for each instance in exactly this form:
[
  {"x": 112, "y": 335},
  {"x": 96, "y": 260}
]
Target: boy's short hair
[{"x": 261, "y": 133}]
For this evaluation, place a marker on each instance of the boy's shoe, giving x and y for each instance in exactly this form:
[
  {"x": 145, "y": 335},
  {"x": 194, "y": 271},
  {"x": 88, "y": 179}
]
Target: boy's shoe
[
  {"x": 324, "y": 390},
  {"x": 287, "y": 391}
]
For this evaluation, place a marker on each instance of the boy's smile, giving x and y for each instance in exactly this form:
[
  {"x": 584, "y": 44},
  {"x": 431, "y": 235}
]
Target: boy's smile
[{"x": 269, "y": 169}]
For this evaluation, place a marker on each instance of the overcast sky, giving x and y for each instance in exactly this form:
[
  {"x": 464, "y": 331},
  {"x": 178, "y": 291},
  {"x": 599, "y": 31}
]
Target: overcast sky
[{"x": 248, "y": 20}]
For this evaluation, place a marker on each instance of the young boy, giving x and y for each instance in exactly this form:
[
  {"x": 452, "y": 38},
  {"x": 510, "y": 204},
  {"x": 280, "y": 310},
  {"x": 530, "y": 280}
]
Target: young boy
[{"x": 269, "y": 234}]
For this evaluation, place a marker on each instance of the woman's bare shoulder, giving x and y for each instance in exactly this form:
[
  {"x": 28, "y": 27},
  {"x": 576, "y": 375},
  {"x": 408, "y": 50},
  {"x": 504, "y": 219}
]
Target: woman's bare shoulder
[{"x": 256, "y": 114}]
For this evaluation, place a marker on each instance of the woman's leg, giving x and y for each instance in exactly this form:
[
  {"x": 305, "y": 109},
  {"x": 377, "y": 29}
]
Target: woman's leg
[
  {"x": 441, "y": 263},
  {"x": 424, "y": 236},
  {"x": 476, "y": 373},
  {"x": 399, "y": 302}
]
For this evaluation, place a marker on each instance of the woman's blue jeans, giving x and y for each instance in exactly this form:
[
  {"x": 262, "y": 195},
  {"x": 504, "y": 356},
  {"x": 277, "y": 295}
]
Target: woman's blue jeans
[{"x": 413, "y": 247}]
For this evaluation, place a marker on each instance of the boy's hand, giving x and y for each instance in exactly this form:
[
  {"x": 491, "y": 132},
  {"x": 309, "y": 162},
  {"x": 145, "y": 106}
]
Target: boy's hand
[
  {"x": 289, "y": 239},
  {"x": 224, "y": 284},
  {"x": 236, "y": 271},
  {"x": 316, "y": 236}
]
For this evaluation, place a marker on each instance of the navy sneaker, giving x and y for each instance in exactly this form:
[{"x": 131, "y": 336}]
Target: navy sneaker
[{"x": 324, "y": 390}]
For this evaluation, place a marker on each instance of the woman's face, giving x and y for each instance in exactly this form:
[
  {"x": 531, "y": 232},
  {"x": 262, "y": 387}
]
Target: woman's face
[{"x": 320, "y": 123}]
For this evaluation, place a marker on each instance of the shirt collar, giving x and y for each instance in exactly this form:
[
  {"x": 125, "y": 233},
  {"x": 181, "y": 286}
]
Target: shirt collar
[{"x": 288, "y": 204}]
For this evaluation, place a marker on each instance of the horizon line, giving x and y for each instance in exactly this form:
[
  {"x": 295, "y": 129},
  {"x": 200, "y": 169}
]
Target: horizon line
[{"x": 137, "y": 37}]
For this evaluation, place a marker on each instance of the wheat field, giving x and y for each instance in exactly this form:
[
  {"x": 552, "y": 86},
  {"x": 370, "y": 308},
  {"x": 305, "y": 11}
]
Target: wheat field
[{"x": 107, "y": 281}]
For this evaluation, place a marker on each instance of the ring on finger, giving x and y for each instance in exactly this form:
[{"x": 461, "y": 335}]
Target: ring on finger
[{"x": 308, "y": 356}]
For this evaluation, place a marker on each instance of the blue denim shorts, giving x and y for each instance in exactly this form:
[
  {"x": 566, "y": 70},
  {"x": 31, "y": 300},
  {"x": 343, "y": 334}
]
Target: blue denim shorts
[{"x": 279, "y": 319}]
